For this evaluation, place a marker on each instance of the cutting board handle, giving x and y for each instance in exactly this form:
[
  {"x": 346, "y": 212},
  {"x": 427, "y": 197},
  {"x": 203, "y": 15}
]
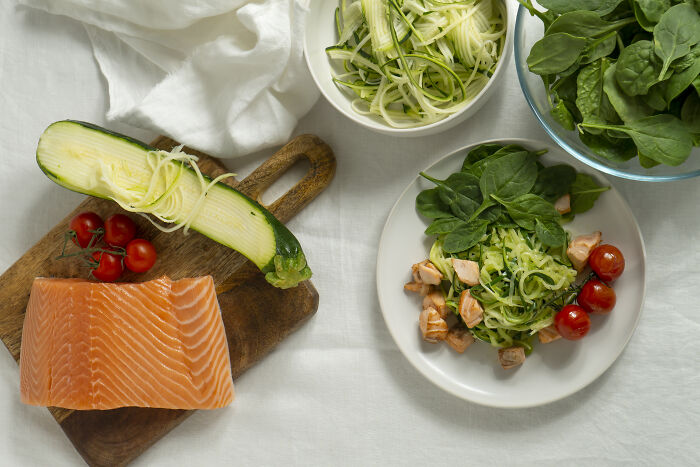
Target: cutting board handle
[{"x": 320, "y": 173}]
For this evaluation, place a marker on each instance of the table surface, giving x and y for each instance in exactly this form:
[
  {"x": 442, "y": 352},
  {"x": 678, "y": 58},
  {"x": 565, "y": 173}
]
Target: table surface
[{"x": 339, "y": 392}]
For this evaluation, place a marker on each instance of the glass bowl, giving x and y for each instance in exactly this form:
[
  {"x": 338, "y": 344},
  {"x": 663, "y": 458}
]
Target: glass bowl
[{"x": 528, "y": 30}]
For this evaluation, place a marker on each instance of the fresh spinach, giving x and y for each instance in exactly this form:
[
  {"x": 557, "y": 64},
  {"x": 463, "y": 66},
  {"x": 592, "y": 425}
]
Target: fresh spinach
[
  {"x": 457, "y": 192},
  {"x": 479, "y": 153},
  {"x": 584, "y": 193},
  {"x": 613, "y": 149},
  {"x": 690, "y": 114},
  {"x": 653, "y": 9},
  {"x": 561, "y": 114},
  {"x": 465, "y": 237},
  {"x": 444, "y": 225},
  {"x": 550, "y": 233},
  {"x": 555, "y": 53},
  {"x": 509, "y": 176},
  {"x": 429, "y": 204},
  {"x": 676, "y": 32},
  {"x": 601, "y": 7},
  {"x": 554, "y": 181},
  {"x": 637, "y": 68},
  {"x": 627, "y": 107},
  {"x": 591, "y": 100},
  {"x": 681, "y": 80},
  {"x": 526, "y": 209},
  {"x": 663, "y": 138},
  {"x": 586, "y": 24}
]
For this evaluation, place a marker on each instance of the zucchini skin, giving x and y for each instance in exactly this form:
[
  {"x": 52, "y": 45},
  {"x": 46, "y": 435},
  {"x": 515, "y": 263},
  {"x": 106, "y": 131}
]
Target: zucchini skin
[{"x": 284, "y": 270}]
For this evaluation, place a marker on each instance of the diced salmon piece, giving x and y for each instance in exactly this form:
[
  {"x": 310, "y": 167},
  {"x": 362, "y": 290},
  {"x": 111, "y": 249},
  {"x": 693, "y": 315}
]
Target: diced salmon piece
[
  {"x": 428, "y": 273},
  {"x": 436, "y": 300},
  {"x": 548, "y": 334},
  {"x": 459, "y": 338},
  {"x": 418, "y": 287},
  {"x": 470, "y": 309},
  {"x": 467, "y": 271},
  {"x": 580, "y": 249},
  {"x": 511, "y": 357},
  {"x": 563, "y": 204},
  {"x": 432, "y": 327}
]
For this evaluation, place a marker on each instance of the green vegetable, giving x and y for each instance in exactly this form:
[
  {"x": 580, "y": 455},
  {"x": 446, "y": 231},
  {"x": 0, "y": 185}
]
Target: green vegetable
[
  {"x": 591, "y": 100},
  {"x": 509, "y": 176},
  {"x": 584, "y": 193},
  {"x": 555, "y": 53},
  {"x": 525, "y": 210},
  {"x": 550, "y": 233},
  {"x": 429, "y": 204},
  {"x": 621, "y": 73},
  {"x": 663, "y": 138},
  {"x": 465, "y": 237},
  {"x": 554, "y": 181},
  {"x": 92, "y": 160},
  {"x": 677, "y": 31},
  {"x": 457, "y": 193},
  {"x": 690, "y": 114}
]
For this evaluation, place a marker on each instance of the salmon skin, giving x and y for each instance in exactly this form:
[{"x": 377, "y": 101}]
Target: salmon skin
[{"x": 90, "y": 345}]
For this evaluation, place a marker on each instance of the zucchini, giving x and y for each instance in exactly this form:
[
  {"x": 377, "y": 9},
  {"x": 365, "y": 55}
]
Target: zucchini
[{"x": 94, "y": 161}]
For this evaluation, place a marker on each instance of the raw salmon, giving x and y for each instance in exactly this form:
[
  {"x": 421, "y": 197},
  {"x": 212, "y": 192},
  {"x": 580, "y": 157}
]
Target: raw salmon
[{"x": 90, "y": 345}]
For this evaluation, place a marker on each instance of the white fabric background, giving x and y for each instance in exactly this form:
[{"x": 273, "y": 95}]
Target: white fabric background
[{"x": 338, "y": 392}]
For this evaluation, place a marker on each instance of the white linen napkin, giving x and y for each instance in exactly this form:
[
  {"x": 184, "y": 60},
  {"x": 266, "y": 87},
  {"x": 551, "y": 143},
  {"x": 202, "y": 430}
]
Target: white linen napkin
[{"x": 226, "y": 77}]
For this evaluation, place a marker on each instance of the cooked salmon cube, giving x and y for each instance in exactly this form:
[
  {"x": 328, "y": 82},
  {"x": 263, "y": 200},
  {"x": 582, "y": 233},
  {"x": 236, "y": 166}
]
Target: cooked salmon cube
[
  {"x": 418, "y": 287},
  {"x": 432, "y": 327},
  {"x": 511, "y": 357},
  {"x": 548, "y": 334},
  {"x": 466, "y": 270},
  {"x": 459, "y": 338},
  {"x": 436, "y": 300},
  {"x": 470, "y": 309},
  {"x": 563, "y": 204},
  {"x": 580, "y": 249},
  {"x": 428, "y": 273}
]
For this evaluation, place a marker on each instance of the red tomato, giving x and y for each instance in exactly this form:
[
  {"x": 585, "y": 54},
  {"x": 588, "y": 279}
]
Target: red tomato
[
  {"x": 119, "y": 230},
  {"x": 140, "y": 255},
  {"x": 596, "y": 297},
  {"x": 572, "y": 322},
  {"x": 110, "y": 266},
  {"x": 84, "y": 225},
  {"x": 607, "y": 261}
]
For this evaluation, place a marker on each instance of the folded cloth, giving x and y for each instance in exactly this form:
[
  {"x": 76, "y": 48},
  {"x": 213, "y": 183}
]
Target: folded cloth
[{"x": 226, "y": 77}]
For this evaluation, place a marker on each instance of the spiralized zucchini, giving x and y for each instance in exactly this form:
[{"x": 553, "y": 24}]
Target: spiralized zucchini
[
  {"x": 521, "y": 286},
  {"x": 415, "y": 62}
]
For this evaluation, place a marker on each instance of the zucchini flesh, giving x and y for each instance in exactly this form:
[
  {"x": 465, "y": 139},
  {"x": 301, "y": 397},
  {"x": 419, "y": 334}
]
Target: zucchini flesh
[{"x": 92, "y": 160}]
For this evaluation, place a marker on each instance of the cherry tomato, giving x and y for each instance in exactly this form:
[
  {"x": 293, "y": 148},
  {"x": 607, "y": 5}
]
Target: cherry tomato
[
  {"x": 84, "y": 225},
  {"x": 119, "y": 230},
  {"x": 607, "y": 261},
  {"x": 110, "y": 266},
  {"x": 596, "y": 297},
  {"x": 572, "y": 322},
  {"x": 140, "y": 255}
]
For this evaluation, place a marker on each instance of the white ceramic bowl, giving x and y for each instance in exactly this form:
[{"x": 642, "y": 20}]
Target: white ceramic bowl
[{"x": 320, "y": 33}]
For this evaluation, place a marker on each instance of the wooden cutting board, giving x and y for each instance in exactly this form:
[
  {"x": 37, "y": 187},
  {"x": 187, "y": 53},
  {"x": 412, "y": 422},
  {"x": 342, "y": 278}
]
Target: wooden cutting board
[{"x": 256, "y": 315}]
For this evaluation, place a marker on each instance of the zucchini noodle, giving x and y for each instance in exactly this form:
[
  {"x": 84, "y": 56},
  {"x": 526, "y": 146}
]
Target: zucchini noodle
[
  {"x": 520, "y": 286},
  {"x": 163, "y": 197},
  {"x": 415, "y": 62}
]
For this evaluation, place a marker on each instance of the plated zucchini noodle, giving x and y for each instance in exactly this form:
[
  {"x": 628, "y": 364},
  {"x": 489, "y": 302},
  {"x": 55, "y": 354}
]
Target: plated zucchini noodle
[{"x": 415, "y": 62}]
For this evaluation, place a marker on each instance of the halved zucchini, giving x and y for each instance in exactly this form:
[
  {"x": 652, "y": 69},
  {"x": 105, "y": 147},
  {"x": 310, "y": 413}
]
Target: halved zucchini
[{"x": 92, "y": 160}]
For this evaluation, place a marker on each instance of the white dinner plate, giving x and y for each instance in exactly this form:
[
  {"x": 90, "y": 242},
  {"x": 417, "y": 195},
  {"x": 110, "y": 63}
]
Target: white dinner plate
[{"x": 553, "y": 371}]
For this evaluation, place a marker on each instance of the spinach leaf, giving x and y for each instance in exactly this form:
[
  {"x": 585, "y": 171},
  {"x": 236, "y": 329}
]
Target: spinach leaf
[
  {"x": 696, "y": 84},
  {"x": 554, "y": 181},
  {"x": 680, "y": 80},
  {"x": 545, "y": 16},
  {"x": 647, "y": 162},
  {"x": 676, "y": 32},
  {"x": 591, "y": 100},
  {"x": 491, "y": 214},
  {"x": 464, "y": 237},
  {"x": 619, "y": 150},
  {"x": 601, "y": 7},
  {"x": 480, "y": 152},
  {"x": 526, "y": 209},
  {"x": 555, "y": 53},
  {"x": 584, "y": 193},
  {"x": 690, "y": 114},
  {"x": 550, "y": 233},
  {"x": 644, "y": 22},
  {"x": 653, "y": 9},
  {"x": 429, "y": 204},
  {"x": 599, "y": 48},
  {"x": 655, "y": 97},
  {"x": 562, "y": 116},
  {"x": 509, "y": 176},
  {"x": 458, "y": 192},
  {"x": 444, "y": 225},
  {"x": 627, "y": 107},
  {"x": 477, "y": 169},
  {"x": 637, "y": 68},
  {"x": 663, "y": 137},
  {"x": 586, "y": 24}
]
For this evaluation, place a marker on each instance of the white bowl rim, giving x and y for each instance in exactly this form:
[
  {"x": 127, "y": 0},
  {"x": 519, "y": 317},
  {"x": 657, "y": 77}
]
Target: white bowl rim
[{"x": 385, "y": 128}]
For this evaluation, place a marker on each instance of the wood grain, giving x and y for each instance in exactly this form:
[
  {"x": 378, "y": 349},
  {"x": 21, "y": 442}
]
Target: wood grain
[{"x": 115, "y": 437}]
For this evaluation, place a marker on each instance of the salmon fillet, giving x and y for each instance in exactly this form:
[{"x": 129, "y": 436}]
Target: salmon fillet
[{"x": 89, "y": 345}]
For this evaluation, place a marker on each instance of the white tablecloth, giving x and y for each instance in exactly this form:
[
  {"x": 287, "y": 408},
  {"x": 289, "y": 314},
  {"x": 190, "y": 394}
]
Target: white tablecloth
[{"x": 338, "y": 391}]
